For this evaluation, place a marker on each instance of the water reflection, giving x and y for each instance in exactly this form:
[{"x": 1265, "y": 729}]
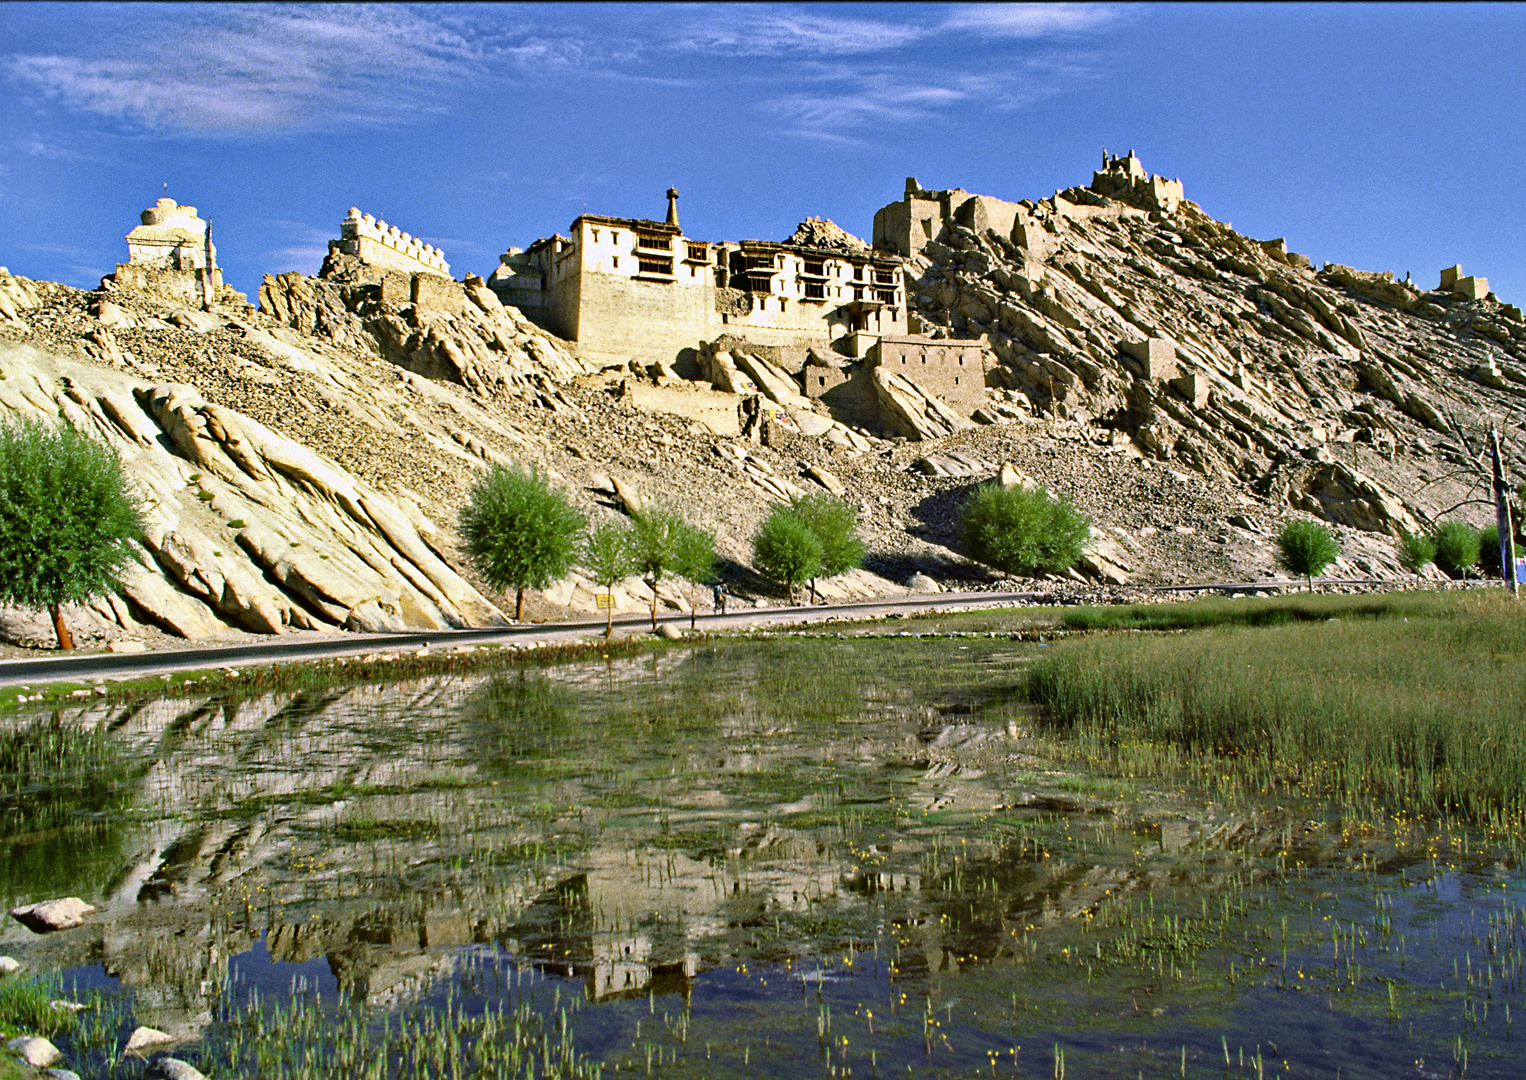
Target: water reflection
[{"x": 834, "y": 811}]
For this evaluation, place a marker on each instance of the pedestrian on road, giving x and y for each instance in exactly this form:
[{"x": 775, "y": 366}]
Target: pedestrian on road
[{"x": 718, "y": 597}]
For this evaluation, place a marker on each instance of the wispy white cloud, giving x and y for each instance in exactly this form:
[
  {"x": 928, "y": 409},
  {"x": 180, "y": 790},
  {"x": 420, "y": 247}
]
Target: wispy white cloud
[
  {"x": 745, "y": 30},
  {"x": 846, "y": 105},
  {"x": 822, "y": 72},
  {"x": 1029, "y": 20},
  {"x": 259, "y": 67}
]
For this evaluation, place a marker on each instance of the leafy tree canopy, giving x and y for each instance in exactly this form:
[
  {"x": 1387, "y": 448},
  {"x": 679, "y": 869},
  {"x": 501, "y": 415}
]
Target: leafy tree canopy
[
  {"x": 786, "y": 550},
  {"x": 1305, "y": 548},
  {"x": 1020, "y": 530},
  {"x": 67, "y": 518},
  {"x": 520, "y": 533}
]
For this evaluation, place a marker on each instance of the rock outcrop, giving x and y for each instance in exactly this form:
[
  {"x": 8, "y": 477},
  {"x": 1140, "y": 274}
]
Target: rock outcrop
[
  {"x": 435, "y": 327},
  {"x": 247, "y": 529},
  {"x": 1127, "y": 305}
]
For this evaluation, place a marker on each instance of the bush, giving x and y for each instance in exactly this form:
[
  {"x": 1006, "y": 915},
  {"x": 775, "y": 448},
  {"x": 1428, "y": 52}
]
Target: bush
[
  {"x": 67, "y": 519},
  {"x": 519, "y": 533},
  {"x": 835, "y": 525},
  {"x": 1305, "y": 548},
  {"x": 1020, "y": 530},
  {"x": 786, "y": 550},
  {"x": 1489, "y": 551},
  {"x": 1416, "y": 551},
  {"x": 1456, "y": 547}
]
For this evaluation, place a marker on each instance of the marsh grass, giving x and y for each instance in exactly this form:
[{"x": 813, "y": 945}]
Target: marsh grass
[
  {"x": 1274, "y": 611},
  {"x": 24, "y": 1007},
  {"x": 1419, "y": 714}
]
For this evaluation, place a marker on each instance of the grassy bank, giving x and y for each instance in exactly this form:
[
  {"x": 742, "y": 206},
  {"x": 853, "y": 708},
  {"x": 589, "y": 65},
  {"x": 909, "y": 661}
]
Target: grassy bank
[
  {"x": 1277, "y": 611},
  {"x": 1417, "y": 707}
]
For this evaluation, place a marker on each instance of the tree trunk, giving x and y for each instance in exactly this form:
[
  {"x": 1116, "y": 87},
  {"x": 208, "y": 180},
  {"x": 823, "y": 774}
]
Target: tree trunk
[
  {"x": 519, "y": 607},
  {"x": 654, "y": 605},
  {"x": 65, "y": 639},
  {"x": 813, "y": 592},
  {"x": 609, "y": 620}
]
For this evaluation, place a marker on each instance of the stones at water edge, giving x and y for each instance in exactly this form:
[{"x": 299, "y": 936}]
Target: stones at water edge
[
  {"x": 36, "y": 1051},
  {"x": 50, "y": 915},
  {"x": 9, "y": 965},
  {"x": 144, "y": 1037},
  {"x": 61, "y": 1074},
  {"x": 670, "y": 632},
  {"x": 175, "y": 1069}
]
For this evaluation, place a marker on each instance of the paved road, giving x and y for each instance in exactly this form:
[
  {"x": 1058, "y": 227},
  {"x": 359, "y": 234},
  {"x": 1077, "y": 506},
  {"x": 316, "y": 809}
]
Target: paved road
[{"x": 322, "y": 646}]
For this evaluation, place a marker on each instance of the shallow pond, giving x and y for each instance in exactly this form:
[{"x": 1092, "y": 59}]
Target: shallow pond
[{"x": 787, "y": 858}]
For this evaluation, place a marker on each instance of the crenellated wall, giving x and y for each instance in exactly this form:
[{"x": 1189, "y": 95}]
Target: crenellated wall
[{"x": 387, "y": 247}]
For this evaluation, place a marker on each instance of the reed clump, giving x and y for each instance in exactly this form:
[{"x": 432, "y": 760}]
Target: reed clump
[
  {"x": 1416, "y": 709},
  {"x": 1276, "y": 611}
]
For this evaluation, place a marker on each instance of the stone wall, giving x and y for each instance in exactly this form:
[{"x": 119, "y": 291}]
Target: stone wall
[
  {"x": 954, "y": 369},
  {"x": 387, "y": 247},
  {"x": 617, "y": 318}
]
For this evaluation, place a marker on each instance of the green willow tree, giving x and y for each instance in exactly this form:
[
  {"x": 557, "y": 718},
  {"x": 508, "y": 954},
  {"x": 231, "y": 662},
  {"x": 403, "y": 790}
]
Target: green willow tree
[
  {"x": 695, "y": 560},
  {"x": 67, "y": 519},
  {"x": 1305, "y": 548},
  {"x": 667, "y": 545},
  {"x": 1457, "y": 547},
  {"x": 835, "y": 525},
  {"x": 520, "y": 533},
  {"x": 1020, "y": 530},
  {"x": 1416, "y": 551},
  {"x": 786, "y": 550},
  {"x": 610, "y": 557}
]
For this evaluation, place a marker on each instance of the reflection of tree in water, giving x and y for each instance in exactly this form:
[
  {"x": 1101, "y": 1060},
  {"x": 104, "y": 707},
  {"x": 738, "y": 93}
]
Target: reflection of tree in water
[
  {"x": 61, "y": 786},
  {"x": 523, "y": 717}
]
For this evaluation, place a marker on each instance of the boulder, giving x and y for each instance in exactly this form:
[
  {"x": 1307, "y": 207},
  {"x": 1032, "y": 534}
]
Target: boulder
[
  {"x": 144, "y": 1038},
  {"x": 670, "y": 632},
  {"x": 811, "y": 423},
  {"x": 952, "y": 463},
  {"x": 1010, "y": 476},
  {"x": 774, "y": 383},
  {"x": 908, "y": 409},
  {"x": 9, "y": 965},
  {"x": 921, "y": 583},
  {"x": 50, "y": 915},
  {"x": 36, "y": 1051},
  {"x": 175, "y": 1069},
  {"x": 826, "y": 480},
  {"x": 628, "y": 497}
]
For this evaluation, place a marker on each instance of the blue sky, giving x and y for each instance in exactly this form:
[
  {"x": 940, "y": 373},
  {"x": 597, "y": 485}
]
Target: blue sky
[{"x": 1388, "y": 137}]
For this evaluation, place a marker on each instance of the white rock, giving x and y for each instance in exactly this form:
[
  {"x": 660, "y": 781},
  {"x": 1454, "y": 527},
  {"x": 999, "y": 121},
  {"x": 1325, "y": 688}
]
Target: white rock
[
  {"x": 35, "y": 1051},
  {"x": 145, "y": 1037},
  {"x": 921, "y": 583},
  {"x": 51, "y": 915},
  {"x": 9, "y": 965},
  {"x": 127, "y": 645},
  {"x": 61, "y": 1074},
  {"x": 175, "y": 1069},
  {"x": 669, "y": 631}
]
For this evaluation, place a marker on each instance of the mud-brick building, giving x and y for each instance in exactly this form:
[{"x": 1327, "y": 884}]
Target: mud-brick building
[{"x": 637, "y": 288}]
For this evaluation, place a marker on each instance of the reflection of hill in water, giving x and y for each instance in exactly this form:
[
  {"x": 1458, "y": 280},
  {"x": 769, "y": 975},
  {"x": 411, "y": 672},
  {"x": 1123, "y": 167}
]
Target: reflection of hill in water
[{"x": 632, "y": 821}]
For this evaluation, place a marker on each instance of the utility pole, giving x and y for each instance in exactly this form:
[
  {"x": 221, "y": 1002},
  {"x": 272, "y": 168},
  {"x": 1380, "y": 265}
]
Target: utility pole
[
  {"x": 206, "y": 270},
  {"x": 1502, "y": 514}
]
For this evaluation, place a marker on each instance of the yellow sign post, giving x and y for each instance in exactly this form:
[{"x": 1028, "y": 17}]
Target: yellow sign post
[{"x": 604, "y": 600}]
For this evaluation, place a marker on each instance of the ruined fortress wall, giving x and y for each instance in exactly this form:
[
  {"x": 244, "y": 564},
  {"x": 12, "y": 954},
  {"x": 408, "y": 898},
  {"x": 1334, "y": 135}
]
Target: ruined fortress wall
[{"x": 954, "y": 370}]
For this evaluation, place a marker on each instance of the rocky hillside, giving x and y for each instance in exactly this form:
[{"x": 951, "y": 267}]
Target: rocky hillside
[
  {"x": 1186, "y": 385},
  {"x": 1340, "y": 393}
]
